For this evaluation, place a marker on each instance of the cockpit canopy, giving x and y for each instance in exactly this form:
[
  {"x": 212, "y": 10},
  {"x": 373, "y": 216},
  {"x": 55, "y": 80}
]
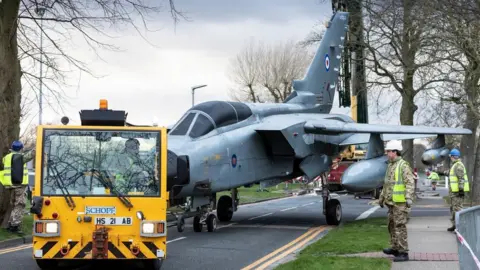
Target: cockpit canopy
[{"x": 205, "y": 117}]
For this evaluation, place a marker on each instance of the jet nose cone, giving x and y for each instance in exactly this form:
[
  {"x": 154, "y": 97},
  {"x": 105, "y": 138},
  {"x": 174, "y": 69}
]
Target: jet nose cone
[
  {"x": 178, "y": 171},
  {"x": 171, "y": 164}
]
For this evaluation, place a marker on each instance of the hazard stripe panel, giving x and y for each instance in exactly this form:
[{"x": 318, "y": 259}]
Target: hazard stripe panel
[
  {"x": 140, "y": 253},
  {"x": 49, "y": 245},
  {"x": 115, "y": 251},
  {"x": 59, "y": 254},
  {"x": 152, "y": 247},
  {"x": 83, "y": 252}
]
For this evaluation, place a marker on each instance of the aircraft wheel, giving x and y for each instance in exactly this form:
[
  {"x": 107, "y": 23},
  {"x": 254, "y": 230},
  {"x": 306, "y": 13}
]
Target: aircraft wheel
[
  {"x": 45, "y": 264},
  {"x": 334, "y": 212},
  {"x": 225, "y": 208},
  {"x": 180, "y": 224},
  {"x": 197, "y": 226},
  {"x": 211, "y": 223},
  {"x": 376, "y": 193}
]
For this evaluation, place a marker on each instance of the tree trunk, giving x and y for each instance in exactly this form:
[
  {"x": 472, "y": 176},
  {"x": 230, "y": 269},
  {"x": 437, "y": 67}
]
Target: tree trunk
[
  {"x": 406, "y": 118},
  {"x": 475, "y": 190},
  {"x": 10, "y": 86},
  {"x": 467, "y": 145},
  {"x": 408, "y": 92}
]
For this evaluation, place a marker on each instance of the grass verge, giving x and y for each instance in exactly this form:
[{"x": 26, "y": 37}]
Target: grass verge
[
  {"x": 253, "y": 194},
  {"x": 26, "y": 228},
  {"x": 334, "y": 263},
  {"x": 370, "y": 235}
]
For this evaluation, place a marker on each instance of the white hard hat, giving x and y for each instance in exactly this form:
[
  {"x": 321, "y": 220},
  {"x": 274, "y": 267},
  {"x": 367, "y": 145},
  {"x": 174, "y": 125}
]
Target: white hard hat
[{"x": 394, "y": 145}]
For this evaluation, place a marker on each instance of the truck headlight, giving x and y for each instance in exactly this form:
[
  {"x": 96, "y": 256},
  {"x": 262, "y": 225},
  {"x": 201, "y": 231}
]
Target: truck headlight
[
  {"x": 148, "y": 227},
  {"x": 51, "y": 227}
]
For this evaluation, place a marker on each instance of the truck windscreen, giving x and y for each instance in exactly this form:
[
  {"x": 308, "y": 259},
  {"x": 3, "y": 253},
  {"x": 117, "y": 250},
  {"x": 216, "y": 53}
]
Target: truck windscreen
[{"x": 100, "y": 163}]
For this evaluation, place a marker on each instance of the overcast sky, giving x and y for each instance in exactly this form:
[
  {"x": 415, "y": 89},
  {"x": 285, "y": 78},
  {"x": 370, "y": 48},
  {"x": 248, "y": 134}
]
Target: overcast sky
[{"x": 150, "y": 82}]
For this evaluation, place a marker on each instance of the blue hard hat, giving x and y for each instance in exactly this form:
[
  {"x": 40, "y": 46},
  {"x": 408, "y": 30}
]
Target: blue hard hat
[
  {"x": 17, "y": 145},
  {"x": 455, "y": 153}
]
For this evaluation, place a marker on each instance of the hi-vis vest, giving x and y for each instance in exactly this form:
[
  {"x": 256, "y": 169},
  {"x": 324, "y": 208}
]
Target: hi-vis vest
[
  {"x": 434, "y": 176},
  {"x": 399, "y": 187},
  {"x": 14, "y": 172},
  {"x": 454, "y": 179}
]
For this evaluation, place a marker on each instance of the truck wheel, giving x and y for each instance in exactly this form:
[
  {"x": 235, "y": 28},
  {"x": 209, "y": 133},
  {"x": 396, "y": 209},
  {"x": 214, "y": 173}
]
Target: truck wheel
[
  {"x": 47, "y": 264},
  {"x": 153, "y": 264}
]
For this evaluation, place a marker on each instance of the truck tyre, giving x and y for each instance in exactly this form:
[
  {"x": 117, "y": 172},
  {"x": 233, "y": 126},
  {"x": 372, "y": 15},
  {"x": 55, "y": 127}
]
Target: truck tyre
[
  {"x": 153, "y": 264},
  {"x": 47, "y": 264}
]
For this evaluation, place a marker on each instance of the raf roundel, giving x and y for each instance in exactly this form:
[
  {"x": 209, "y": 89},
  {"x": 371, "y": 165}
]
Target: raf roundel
[
  {"x": 327, "y": 62},
  {"x": 234, "y": 161}
]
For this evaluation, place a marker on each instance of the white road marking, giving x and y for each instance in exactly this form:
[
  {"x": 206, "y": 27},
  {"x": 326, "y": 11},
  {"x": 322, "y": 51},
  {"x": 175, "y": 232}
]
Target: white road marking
[
  {"x": 367, "y": 213},
  {"x": 308, "y": 204},
  {"x": 14, "y": 249},
  {"x": 228, "y": 225},
  {"x": 260, "y": 216},
  {"x": 288, "y": 209},
  {"x": 429, "y": 209},
  {"x": 176, "y": 239}
]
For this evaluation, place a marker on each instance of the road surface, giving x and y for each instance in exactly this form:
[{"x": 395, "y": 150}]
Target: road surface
[{"x": 244, "y": 243}]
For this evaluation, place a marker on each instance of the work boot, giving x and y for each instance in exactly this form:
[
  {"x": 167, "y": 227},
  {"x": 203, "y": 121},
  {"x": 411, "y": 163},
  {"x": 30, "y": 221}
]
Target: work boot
[
  {"x": 451, "y": 229},
  {"x": 390, "y": 251},
  {"x": 401, "y": 257}
]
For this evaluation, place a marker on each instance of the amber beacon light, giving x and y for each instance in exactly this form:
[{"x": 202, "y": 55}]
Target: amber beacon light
[{"x": 103, "y": 104}]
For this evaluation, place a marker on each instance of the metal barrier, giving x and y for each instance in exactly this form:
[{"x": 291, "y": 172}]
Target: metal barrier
[{"x": 467, "y": 223}]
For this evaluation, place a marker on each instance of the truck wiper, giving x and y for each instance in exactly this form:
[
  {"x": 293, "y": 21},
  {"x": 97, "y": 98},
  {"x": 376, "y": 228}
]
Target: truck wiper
[
  {"x": 58, "y": 180},
  {"x": 109, "y": 185},
  {"x": 61, "y": 185}
]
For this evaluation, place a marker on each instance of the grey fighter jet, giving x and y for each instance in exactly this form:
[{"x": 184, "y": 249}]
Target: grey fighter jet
[{"x": 222, "y": 145}]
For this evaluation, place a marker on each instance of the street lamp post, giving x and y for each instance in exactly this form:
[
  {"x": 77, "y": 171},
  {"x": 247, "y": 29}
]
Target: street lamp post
[
  {"x": 193, "y": 92},
  {"x": 40, "y": 12}
]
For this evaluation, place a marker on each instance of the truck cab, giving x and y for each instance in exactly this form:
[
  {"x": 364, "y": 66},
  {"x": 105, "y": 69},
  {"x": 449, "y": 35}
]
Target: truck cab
[{"x": 100, "y": 191}]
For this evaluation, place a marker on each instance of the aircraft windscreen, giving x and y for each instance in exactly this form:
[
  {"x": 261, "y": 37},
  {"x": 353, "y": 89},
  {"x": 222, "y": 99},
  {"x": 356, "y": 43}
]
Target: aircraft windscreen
[
  {"x": 182, "y": 128},
  {"x": 100, "y": 162},
  {"x": 202, "y": 126}
]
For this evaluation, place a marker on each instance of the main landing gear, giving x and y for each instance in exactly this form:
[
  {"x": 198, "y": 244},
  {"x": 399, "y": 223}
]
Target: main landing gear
[
  {"x": 332, "y": 209},
  {"x": 204, "y": 207}
]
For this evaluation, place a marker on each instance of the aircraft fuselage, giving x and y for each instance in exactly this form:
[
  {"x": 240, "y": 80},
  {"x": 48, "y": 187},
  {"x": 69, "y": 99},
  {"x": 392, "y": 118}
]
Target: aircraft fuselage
[{"x": 237, "y": 155}]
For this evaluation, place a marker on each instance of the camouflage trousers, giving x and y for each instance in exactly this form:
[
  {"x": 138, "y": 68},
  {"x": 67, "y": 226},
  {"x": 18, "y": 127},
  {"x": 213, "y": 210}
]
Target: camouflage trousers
[
  {"x": 18, "y": 202},
  {"x": 397, "y": 226},
  {"x": 456, "y": 204}
]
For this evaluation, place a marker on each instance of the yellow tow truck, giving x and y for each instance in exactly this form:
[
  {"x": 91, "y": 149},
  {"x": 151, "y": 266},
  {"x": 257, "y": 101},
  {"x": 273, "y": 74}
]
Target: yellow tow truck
[{"x": 100, "y": 191}]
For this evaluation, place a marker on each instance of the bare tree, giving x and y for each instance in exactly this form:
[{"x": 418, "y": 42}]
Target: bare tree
[
  {"x": 29, "y": 136},
  {"x": 263, "y": 73},
  {"x": 21, "y": 20},
  {"x": 461, "y": 29},
  {"x": 404, "y": 52}
]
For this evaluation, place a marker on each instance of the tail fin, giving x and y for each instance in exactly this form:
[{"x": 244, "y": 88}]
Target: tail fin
[{"x": 319, "y": 84}]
